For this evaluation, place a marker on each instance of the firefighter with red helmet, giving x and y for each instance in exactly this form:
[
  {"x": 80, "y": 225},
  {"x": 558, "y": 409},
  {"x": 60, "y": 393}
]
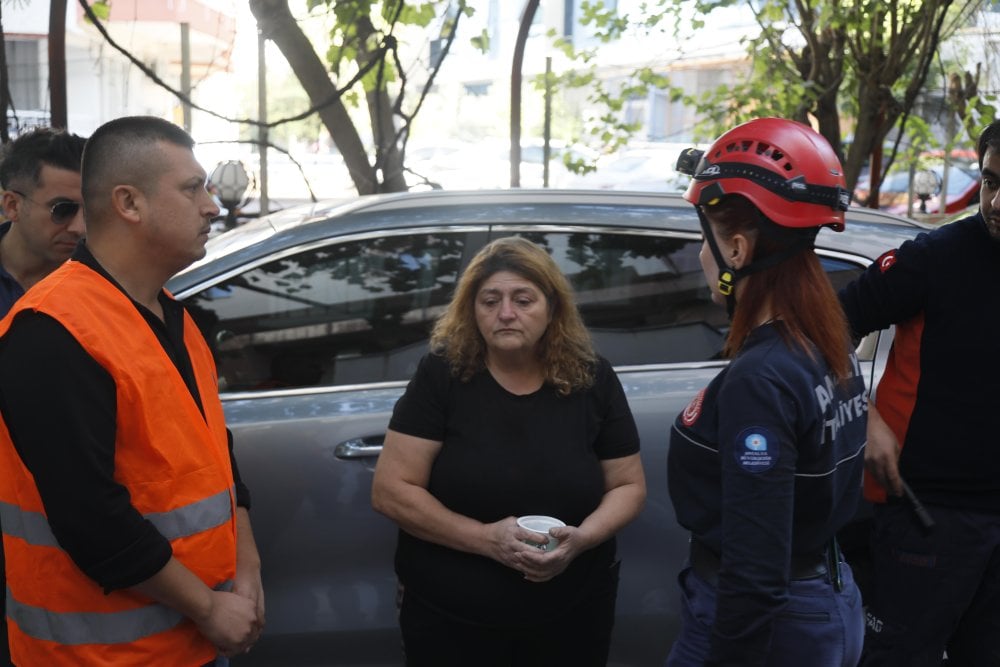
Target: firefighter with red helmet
[{"x": 765, "y": 462}]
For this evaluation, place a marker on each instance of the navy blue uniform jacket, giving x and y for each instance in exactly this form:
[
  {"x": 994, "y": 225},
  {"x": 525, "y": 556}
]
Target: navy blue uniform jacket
[{"x": 765, "y": 463}]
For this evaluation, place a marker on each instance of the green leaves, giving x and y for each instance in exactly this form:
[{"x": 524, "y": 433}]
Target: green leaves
[
  {"x": 101, "y": 9},
  {"x": 481, "y": 41},
  {"x": 419, "y": 15},
  {"x": 856, "y": 67},
  {"x": 605, "y": 21}
]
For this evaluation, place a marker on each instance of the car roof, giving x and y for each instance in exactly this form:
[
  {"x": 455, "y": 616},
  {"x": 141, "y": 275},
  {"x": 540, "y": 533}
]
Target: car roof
[{"x": 497, "y": 208}]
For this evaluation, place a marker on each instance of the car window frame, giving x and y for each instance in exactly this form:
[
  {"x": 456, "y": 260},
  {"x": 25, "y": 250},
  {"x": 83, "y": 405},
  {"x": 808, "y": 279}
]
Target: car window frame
[
  {"x": 869, "y": 349},
  {"x": 476, "y": 237}
]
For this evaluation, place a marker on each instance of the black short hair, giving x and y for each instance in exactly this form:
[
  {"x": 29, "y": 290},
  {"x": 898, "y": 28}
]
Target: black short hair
[
  {"x": 990, "y": 138},
  {"x": 117, "y": 153},
  {"x": 24, "y": 157}
]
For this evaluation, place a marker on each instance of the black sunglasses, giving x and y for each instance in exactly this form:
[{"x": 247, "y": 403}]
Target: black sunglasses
[{"x": 62, "y": 212}]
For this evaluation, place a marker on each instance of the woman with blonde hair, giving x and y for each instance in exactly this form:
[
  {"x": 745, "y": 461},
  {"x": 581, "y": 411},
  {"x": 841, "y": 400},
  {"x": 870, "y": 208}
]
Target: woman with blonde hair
[{"x": 511, "y": 414}]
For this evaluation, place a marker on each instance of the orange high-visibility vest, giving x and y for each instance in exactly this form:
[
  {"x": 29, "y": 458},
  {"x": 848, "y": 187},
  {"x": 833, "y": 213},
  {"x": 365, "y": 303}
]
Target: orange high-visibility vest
[{"x": 173, "y": 460}]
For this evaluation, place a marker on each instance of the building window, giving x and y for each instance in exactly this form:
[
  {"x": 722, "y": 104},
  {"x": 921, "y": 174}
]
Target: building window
[
  {"x": 24, "y": 68},
  {"x": 572, "y": 29},
  {"x": 478, "y": 89}
]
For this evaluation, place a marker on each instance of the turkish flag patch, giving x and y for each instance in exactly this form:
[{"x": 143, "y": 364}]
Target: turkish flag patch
[
  {"x": 693, "y": 410},
  {"x": 886, "y": 261}
]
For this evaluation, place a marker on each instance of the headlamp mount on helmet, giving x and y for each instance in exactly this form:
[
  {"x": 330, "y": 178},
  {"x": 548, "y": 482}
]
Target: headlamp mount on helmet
[{"x": 687, "y": 161}]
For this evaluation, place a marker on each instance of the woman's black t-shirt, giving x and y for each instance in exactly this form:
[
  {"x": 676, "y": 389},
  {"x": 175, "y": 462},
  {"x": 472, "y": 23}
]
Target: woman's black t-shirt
[{"x": 507, "y": 455}]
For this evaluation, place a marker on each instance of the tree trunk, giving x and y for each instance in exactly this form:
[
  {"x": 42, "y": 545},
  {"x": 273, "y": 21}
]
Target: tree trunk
[
  {"x": 5, "y": 106},
  {"x": 870, "y": 129},
  {"x": 910, "y": 45},
  {"x": 57, "y": 64},
  {"x": 278, "y": 24},
  {"x": 515, "y": 92},
  {"x": 380, "y": 108},
  {"x": 820, "y": 64}
]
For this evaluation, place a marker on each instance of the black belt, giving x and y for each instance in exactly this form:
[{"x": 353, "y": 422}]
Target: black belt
[{"x": 706, "y": 564}]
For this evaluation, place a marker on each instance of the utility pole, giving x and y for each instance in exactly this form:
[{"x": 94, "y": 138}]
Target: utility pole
[
  {"x": 547, "y": 130},
  {"x": 186, "y": 74},
  {"x": 262, "y": 115}
]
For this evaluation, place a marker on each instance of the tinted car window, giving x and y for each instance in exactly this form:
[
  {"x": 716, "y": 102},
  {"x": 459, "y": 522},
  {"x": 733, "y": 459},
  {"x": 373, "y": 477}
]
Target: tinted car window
[
  {"x": 643, "y": 297},
  {"x": 840, "y": 271},
  {"x": 344, "y": 313},
  {"x": 360, "y": 311}
]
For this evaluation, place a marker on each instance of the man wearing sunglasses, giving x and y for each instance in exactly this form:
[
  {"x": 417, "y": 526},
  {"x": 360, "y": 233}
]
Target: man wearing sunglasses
[
  {"x": 43, "y": 222},
  {"x": 40, "y": 176}
]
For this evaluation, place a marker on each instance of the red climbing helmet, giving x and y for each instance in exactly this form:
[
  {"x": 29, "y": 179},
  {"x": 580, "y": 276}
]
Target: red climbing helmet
[{"x": 787, "y": 169}]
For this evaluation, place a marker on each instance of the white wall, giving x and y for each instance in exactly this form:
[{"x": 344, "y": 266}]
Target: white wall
[{"x": 101, "y": 83}]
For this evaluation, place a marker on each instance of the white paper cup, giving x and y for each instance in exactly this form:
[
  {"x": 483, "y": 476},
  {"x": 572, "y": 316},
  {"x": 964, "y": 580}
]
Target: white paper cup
[{"x": 537, "y": 523}]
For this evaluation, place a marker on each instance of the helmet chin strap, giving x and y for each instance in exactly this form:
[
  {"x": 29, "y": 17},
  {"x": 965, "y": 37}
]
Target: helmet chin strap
[{"x": 728, "y": 275}]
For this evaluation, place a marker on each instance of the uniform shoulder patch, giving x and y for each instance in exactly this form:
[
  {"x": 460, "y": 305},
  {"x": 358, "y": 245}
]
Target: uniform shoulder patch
[
  {"x": 756, "y": 449},
  {"x": 886, "y": 261},
  {"x": 693, "y": 409}
]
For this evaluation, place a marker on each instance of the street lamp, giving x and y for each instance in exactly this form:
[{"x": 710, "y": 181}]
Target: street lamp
[
  {"x": 926, "y": 183},
  {"x": 230, "y": 180}
]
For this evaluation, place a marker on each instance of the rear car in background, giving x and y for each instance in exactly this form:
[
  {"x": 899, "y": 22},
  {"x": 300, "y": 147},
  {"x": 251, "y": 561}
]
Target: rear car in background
[
  {"x": 318, "y": 315},
  {"x": 894, "y": 193}
]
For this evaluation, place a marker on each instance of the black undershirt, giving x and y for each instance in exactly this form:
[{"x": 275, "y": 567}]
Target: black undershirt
[{"x": 59, "y": 405}]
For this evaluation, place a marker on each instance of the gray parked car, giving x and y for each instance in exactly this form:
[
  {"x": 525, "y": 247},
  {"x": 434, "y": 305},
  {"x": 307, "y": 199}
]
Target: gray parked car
[{"x": 318, "y": 316}]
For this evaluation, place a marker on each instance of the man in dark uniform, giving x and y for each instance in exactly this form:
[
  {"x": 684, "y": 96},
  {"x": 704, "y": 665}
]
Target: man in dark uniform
[{"x": 934, "y": 423}]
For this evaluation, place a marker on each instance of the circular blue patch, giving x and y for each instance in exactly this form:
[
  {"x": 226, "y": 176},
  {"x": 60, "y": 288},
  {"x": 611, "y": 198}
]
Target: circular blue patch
[{"x": 756, "y": 449}]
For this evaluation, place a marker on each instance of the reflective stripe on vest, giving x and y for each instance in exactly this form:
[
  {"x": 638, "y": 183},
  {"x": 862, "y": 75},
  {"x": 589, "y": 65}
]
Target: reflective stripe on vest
[
  {"x": 33, "y": 527},
  {"x": 76, "y": 628}
]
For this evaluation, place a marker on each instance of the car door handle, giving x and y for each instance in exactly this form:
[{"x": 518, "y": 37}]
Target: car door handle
[{"x": 368, "y": 447}]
